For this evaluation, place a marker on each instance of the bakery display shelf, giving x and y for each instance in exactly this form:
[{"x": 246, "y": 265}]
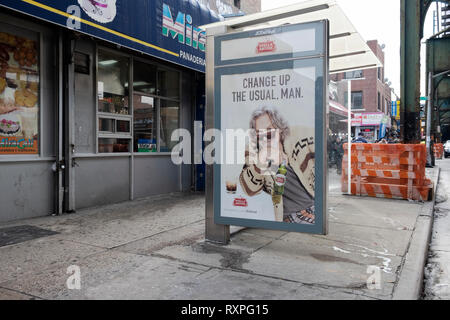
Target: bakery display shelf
[
  {"x": 114, "y": 116},
  {"x": 102, "y": 135}
]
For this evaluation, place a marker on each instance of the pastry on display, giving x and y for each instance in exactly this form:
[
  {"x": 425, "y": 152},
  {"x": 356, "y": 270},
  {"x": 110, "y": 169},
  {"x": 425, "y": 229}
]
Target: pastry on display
[
  {"x": 4, "y": 55},
  {"x": 8, "y": 39},
  {"x": 6, "y": 107},
  {"x": 24, "y": 50},
  {"x": 25, "y": 98},
  {"x": 26, "y": 53},
  {"x": 33, "y": 86},
  {"x": 2, "y": 85},
  {"x": 9, "y": 128},
  {"x": 3, "y": 68}
]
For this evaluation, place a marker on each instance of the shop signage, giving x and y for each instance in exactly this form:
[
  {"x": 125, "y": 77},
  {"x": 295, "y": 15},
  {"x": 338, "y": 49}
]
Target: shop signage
[
  {"x": 147, "y": 145},
  {"x": 167, "y": 29},
  {"x": 182, "y": 29},
  {"x": 397, "y": 116},
  {"x": 276, "y": 100},
  {"x": 13, "y": 145},
  {"x": 368, "y": 119},
  {"x": 395, "y": 109},
  {"x": 357, "y": 120}
]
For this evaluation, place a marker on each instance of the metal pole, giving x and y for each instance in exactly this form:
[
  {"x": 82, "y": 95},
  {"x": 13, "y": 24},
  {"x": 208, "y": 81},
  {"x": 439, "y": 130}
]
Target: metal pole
[
  {"x": 411, "y": 34},
  {"x": 60, "y": 167},
  {"x": 69, "y": 109},
  {"x": 437, "y": 16},
  {"x": 349, "y": 132},
  {"x": 434, "y": 22},
  {"x": 429, "y": 107}
]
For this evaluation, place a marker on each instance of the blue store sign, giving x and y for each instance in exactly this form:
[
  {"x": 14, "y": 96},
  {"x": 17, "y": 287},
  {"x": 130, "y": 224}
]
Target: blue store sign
[{"x": 167, "y": 29}]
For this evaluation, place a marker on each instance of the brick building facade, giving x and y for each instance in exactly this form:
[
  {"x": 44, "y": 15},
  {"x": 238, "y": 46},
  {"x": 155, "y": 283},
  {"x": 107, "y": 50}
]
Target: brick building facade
[
  {"x": 250, "y": 6},
  {"x": 371, "y": 97},
  {"x": 371, "y": 94}
]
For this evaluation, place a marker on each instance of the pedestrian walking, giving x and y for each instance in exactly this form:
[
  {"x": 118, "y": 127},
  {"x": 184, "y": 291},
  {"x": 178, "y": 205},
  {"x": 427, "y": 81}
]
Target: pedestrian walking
[
  {"x": 360, "y": 139},
  {"x": 339, "y": 155}
]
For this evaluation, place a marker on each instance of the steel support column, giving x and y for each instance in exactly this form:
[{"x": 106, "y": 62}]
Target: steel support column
[{"x": 411, "y": 31}]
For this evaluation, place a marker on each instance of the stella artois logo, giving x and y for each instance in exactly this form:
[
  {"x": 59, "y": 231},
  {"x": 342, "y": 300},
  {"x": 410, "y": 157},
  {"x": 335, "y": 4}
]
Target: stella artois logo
[
  {"x": 266, "y": 46},
  {"x": 280, "y": 180},
  {"x": 240, "y": 202}
]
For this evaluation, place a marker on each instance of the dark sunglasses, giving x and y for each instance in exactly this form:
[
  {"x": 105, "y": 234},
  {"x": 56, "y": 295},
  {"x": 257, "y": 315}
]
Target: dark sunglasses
[{"x": 266, "y": 135}]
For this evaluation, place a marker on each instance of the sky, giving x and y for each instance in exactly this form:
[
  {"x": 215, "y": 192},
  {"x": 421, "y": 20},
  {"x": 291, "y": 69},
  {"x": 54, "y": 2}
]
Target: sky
[{"x": 375, "y": 20}]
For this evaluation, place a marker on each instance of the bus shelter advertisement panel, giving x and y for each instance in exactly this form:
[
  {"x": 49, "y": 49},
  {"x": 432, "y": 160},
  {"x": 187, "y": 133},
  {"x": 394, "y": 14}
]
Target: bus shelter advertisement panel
[{"x": 276, "y": 182}]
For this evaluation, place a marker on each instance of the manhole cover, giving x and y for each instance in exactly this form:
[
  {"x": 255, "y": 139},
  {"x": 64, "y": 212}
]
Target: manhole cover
[{"x": 19, "y": 234}]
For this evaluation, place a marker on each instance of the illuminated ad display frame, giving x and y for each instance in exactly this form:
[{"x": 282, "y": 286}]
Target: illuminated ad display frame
[{"x": 271, "y": 85}]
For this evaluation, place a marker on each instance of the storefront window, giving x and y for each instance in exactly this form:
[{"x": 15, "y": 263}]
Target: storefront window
[
  {"x": 113, "y": 74},
  {"x": 357, "y": 100},
  {"x": 109, "y": 145},
  {"x": 169, "y": 123},
  {"x": 19, "y": 91},
  {"x": 106, "y": 125},
  {"x": 123, "y": 126},
  {"x": 169, "y": 84},
  {"x": 144, "y": 78},
  {"x": 114, "y": 126},
  {"x": 114, "y": 116},
  {"x": 156, "y": 93},
  {"x": 145, "y": 124}
]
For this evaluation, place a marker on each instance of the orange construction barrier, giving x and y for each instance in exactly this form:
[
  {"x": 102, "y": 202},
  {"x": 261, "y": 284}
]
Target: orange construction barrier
[
  {"x": 394, "y": 171},
  {"x": 439, "y": 151}
]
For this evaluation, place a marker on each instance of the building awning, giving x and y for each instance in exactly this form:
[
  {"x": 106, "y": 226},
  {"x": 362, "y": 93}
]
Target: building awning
[
  {"x": 348, "y": 50},
  {"x": 338, "y": 109}
]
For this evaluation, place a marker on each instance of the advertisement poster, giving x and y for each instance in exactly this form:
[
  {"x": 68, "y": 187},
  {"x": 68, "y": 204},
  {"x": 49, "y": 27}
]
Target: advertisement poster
[
  {"x": 271, "y": 106},
  {"x": 19, "y": 94},
  {"x": 282, "y": 110}
]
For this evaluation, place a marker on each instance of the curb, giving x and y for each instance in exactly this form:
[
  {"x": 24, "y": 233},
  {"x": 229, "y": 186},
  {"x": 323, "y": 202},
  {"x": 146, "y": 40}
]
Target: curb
[{"x": 410, "y": 282}]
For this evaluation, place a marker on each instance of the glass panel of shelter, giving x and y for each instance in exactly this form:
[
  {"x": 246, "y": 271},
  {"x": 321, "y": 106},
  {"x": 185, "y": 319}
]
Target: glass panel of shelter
[{"x": 337, "y": 135}]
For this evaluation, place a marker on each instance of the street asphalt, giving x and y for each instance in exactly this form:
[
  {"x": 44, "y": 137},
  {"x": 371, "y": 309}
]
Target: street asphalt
[{"x": 155, "y": 249}]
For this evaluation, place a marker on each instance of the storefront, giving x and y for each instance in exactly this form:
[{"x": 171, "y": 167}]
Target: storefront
[
  {"x": 89, "y": 101},
  {"x": 373, "y": 126}
]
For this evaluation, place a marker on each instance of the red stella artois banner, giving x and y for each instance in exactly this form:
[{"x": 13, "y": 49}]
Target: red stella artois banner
[
  {"x": 267, "y": 46},
  {"x": 240, "y": 202}
]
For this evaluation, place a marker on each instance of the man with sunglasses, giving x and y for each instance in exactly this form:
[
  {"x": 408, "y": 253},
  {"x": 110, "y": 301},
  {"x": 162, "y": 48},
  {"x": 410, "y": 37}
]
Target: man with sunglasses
[{"x": 273, "y": 143}]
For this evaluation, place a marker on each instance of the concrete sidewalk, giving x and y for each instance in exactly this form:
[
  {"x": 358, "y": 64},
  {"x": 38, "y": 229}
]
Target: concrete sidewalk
[
  {"x": 437, "y": 272},
  {"x": 154, "y": 249}
]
